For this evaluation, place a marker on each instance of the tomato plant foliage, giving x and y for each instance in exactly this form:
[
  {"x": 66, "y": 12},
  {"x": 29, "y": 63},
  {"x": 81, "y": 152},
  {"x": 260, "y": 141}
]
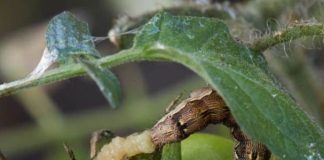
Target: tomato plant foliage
[{"x": 264, "y": 110}]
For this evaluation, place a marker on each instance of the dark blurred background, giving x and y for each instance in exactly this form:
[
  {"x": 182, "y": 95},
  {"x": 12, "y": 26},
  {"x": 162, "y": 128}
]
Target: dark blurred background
[{"x": 35, "y": 122}]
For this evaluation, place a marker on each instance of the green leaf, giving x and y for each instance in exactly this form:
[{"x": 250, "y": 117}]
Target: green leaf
[
  {"x": 171, "y": 151},
  {"x": 207, "y": 147},
  {"x": 66, "y": 36},
  {"x": 106, "y": 81},
  {"x": 263, "y": 109},
  {"x": 195, "y": 147}
]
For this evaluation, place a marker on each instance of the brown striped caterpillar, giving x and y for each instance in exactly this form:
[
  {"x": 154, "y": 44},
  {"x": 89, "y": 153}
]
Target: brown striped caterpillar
[{"x": 204, "y": 106}]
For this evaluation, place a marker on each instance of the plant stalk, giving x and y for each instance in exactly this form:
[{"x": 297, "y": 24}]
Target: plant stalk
[{"x": 291, "y": 33}]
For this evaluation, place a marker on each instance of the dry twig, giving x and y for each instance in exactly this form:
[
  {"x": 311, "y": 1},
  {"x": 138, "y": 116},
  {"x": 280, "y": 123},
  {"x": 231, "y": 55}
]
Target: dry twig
[{"x": 69, "y": 151}]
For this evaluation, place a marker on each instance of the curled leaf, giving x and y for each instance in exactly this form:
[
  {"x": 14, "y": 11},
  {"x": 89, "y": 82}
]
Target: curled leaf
[{"x": 67, "y": 35}]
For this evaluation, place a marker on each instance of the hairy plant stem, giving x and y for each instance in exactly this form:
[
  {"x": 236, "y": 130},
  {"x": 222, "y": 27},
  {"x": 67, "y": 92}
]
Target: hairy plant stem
[
  {"x": 67, "y": 71},
  {"x": 74, "y": 70},
  {"x": 291, "y": 33}
]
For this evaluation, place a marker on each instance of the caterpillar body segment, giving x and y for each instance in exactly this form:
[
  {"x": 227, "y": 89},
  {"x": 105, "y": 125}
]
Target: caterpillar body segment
[
  {"x": 122, "y": 148},
  {"x": 203, "y": 107}
]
